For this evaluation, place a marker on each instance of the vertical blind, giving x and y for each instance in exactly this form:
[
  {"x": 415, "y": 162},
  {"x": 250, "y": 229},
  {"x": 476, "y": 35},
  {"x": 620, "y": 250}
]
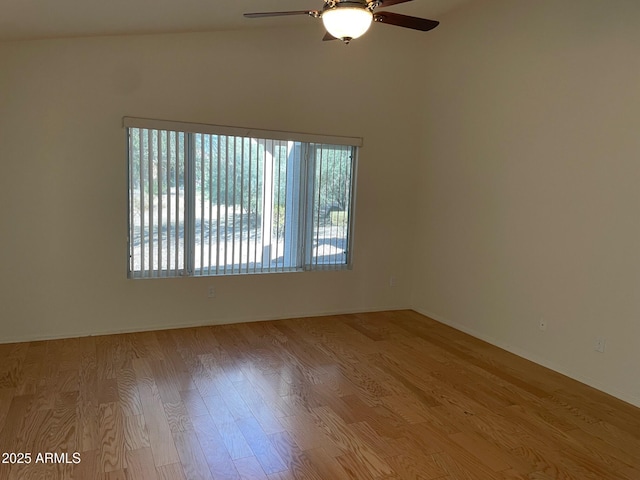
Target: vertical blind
[{"x": 206, "y": 200}]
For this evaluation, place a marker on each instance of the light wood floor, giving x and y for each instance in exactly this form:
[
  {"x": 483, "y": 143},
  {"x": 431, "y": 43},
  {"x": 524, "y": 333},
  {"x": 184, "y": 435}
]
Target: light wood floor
[{"x": 391, "y": 395}]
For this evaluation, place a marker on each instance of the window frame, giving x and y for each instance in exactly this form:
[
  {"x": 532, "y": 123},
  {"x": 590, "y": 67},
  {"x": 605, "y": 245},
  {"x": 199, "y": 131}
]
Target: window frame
[{"x": 190, "y": 130}]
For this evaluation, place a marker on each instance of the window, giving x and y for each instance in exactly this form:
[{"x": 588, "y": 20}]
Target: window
[{"x": 208, "y": 200}]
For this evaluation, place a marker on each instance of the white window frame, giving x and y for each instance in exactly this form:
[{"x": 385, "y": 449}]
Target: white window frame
[{"x": 298, "y": 242}]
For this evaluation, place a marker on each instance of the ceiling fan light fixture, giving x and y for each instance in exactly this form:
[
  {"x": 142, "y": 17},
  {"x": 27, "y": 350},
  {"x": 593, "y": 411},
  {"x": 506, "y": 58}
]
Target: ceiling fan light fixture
[{"x": 347, "y": 23}]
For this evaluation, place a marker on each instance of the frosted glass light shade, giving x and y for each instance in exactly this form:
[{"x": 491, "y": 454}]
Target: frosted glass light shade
[{"x": 347, "y": 22}]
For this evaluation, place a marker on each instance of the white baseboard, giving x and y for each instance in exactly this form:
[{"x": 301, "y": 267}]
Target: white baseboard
[
  {"x": 613, "y": 391},
  {"x": 616, "y": 392},
  {"x": 202, "y": 323}
]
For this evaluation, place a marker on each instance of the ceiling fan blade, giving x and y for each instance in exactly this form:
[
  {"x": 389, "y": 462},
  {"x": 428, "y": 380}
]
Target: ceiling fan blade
[
  {"x": 406, "y": 21},
  {"x": 313, "y": 13},
  {"x": 388, "y": 3},
  {"x": 328, "y": 36}
]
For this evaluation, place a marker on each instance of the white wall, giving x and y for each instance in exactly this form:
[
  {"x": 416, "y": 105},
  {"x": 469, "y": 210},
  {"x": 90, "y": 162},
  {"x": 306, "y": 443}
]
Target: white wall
[
  {"x": 512, "y": 129},
  {"x": 63, "y": 213},
  {"x": 529, "y": 205}
]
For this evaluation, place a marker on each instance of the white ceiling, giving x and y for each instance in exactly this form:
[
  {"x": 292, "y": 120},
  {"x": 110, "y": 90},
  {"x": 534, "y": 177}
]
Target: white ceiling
[{"x": 31, "y": 19}]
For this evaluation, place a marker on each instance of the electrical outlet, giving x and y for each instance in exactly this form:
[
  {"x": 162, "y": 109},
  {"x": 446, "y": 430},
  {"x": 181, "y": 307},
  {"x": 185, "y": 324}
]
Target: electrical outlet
[
  {"x": 600, "y": 344},
  {"x": 542, "y": 325},
  {"x": 392, "y": 281},
  {"x": 211, "y": 292}
]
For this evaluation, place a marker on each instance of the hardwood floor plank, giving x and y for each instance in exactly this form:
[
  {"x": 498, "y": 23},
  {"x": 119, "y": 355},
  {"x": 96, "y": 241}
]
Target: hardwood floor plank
[
  {"x": 422, "y": 467},
  {"x": 411, "y": 410},
  {"x": 112, "y": 437},
  {"x": 34, "y": 433},
  {"x": 194, "y": 463},
  {"x": 391, "y": 395},
  {"x": 614, "y": 438},
  {"x": 177, "y": 417},
  {"x": 202, "y": 379},
  {"x": 127, "y": 390},
  {"x": 259, "y": 408},
  {"x": 88, "y": 435},
  {"x": 136, "y": 435},
  {"x": 235, "y": 403},
  {"x": 215, "y": 363},
  {"x": 108, "y": 356},
  {"x": 384, "y": 447},
  {"x": 217, "y": 408},
  {"x": 307, "y": 433},
  {"x": 166, "y": 380},
  {"x": 16, "y": 416},
  {"x": 363, "y": 327},
  {"x": 470, "y": 459},
  {"x": 149, "y": 346},
  {"x": 492, "y": 428},
  {"x": 446, "y": 463},
  {"x": 249, "y": 469},
  {"x": 64, "y": 433},
  {"x": 193, "y": 403},
  {"x": 336, "y": 404},
  {"x": 214, "y": 449},
  {"x": 89, "y": 466},
  {"x": 160, "y": 439},
  {"x": 140, "y": 465},
  {"x": 232, "y": 437},
  {"x": 482, "y": 450},
  {"x": 297, "y": 461},
  {"x": 325, "y": 465},
  {"x": 172, "y": 471},
  {"x": 31, "y": 376},
  {"x": 357, "y": 452},
  {"x": 107, "y": 391},
  {"x": 234, "y": 440},
  {"x": 262, "y": 448},
  {"x": 267, "y": 386}
]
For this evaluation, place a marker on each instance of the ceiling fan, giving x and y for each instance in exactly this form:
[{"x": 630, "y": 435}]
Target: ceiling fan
[{"x": 349, "y": 19}]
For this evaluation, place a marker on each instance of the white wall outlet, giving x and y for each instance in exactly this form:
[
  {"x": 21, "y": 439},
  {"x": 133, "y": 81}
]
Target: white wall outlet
[
  {"x": 393, "y": 281},
  {"x": 600, "y": 344},
  {"x": 211, "y": 292},
  {"x": 542, "y": 325}
]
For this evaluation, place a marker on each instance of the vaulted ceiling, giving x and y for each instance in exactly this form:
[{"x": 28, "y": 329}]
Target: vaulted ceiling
[{"x": 31, "y": 19}]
